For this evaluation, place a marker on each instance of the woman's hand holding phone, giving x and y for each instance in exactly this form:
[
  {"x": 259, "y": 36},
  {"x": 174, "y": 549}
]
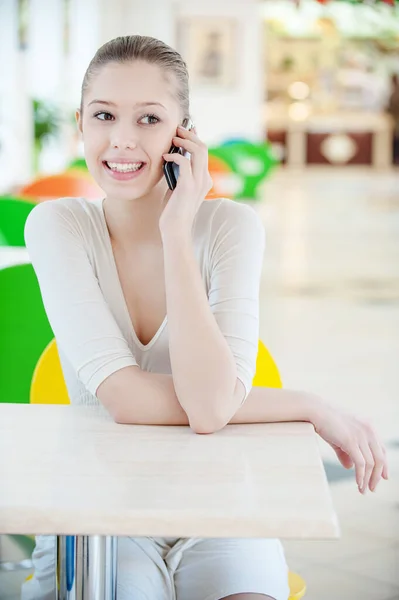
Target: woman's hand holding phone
[
  {"x": 171, "y": 169},
  {"x": 193, "y": 184}
]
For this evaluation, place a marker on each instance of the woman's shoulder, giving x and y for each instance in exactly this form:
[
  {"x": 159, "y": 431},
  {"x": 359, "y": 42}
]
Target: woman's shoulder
[
  {"x": 71, "y": 207},
  {"x": 223, "y": 215},
  {"x": 68, "y": 212}
]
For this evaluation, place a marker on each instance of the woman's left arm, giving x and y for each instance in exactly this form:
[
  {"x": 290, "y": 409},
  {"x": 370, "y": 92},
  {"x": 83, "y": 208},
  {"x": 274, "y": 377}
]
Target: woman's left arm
[
  {"x": 209, "y": 361},
  {"x": 203, "y": 367}
]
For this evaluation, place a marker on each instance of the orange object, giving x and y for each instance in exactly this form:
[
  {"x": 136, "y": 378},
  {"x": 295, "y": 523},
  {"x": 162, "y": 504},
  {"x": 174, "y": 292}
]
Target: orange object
[
  {"x": 219, "y": 171},
  {"x": 62, "y": 185}
]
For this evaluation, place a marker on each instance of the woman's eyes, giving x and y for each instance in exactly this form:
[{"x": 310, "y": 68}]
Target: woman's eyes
[
  {"x": 97, "y": 115},
  {"x": 151, "y": 117},
  {"x": 103, "y": 116}
]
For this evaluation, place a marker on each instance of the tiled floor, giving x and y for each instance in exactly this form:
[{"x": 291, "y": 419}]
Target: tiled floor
[
  {"x": 330, "y": 317},
  {"x": 10, "y": 582}
]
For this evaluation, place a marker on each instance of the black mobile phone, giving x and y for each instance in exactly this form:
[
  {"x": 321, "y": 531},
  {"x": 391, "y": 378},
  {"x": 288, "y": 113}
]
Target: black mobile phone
[{"x": 171, "y": 169}]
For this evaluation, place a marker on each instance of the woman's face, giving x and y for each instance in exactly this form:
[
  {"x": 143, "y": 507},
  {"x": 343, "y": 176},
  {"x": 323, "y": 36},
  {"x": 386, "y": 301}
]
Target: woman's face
[{"x": 129, "y": 118}]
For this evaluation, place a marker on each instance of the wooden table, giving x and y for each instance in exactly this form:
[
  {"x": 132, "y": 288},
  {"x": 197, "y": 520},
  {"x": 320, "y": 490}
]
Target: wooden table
[
  {"x": 72, "y": 471},
  {"x": 302, "y": 139}
]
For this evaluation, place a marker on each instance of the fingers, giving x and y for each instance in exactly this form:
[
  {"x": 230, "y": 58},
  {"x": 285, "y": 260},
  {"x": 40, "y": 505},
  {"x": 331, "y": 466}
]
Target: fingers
[
  {"x": 385, "y": 473},
  {"x": 344, "y": 458},
  {"x": 368, "y": 464},
  {"x": 379, "y": 462},
  {"x": 369, "y": 457},
  {"x": 182, "y": 161},
  {"x": 188, "y": 145},
  {"x": 190, "y": 134},
  {"x": 379, "y": 456},
  {"x": 190, "y": 141},
  {"x": 360, "y": 464}
]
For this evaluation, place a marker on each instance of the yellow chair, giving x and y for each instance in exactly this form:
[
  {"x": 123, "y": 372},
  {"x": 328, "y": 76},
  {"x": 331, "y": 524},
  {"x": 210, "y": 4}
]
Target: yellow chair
[
  {"x": 48, "y": 387},
  {"x": 266, "y": 374},
  {"x": 297, "y": 586}
]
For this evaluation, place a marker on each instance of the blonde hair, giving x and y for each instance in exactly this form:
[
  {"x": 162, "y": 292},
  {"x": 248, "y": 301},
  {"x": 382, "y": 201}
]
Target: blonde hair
[{"x": 140, "y": 47}]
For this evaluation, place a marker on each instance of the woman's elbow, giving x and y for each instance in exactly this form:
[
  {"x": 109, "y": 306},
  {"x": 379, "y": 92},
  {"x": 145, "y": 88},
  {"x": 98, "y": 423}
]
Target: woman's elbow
[
  {"x": 206, "y": 424},
  {"x": 220, "y": 416},
  {"x": 204, "y": 428},
  {"x": 118, "y": 418}
]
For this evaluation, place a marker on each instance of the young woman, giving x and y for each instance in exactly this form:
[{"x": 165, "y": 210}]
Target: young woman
[{"x": 153, "y": 297}]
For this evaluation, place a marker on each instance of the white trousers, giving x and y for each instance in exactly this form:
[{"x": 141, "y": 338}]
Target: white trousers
[{"x": 182, "y": 569}]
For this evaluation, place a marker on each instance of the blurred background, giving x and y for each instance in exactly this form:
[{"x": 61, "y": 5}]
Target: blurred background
[{"x": 298, "y": 101}]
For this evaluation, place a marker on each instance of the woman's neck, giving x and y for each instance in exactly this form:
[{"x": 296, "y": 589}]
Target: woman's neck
[{"x": 135, "y": 222}]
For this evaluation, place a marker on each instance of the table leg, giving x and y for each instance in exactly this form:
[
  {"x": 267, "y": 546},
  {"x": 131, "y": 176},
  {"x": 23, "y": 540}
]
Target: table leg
[{"x": 86, "y": 567}]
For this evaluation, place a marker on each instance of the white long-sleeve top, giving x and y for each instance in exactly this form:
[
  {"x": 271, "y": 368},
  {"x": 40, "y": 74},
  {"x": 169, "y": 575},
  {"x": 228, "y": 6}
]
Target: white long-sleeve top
[{"x": 70, "y": 248}]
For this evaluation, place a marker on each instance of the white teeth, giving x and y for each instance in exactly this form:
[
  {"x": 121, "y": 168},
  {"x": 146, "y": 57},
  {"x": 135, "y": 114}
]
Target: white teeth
[{"x": 124, "y": 167}]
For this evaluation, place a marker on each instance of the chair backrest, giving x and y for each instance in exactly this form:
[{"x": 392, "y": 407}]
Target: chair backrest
[
  {"x": 48, "y": 385},
  {"x": 13, "y": 215},
  {"x": 25, "y": 331},
  {"x": 267, "y": 374},
  {"x": 252, "y": 162},
  {"x": 62, "y": 185}
]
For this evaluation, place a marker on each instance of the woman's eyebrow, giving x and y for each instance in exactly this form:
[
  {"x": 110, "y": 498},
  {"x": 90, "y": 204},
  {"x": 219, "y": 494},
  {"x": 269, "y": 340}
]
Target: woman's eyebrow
[{"x": 107, "y": 103}]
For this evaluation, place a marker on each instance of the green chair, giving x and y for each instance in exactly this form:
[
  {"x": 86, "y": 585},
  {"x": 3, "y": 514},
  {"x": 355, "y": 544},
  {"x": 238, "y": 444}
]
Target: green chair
[
  {"x": 251, "y": 162},
  {"x": 78, "y": 163},
  {"x": 26, "y": 545},
  {"x": 25, "y": 331},
  {"x": 13, "y": 215}
]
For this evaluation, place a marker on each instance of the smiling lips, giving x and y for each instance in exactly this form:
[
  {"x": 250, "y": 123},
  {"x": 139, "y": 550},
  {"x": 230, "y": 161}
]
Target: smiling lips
[
  {"x": 123, "y": 171},
  {"x": 124, "y": 167}
]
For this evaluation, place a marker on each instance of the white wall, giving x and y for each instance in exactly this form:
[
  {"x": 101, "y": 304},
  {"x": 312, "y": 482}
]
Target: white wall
[
  {"x": 15, "y": 109},
  {"x": 44, "y": 71},
  {"x": 41, "y": 71},
  {"x": 137, "y": 17},
  {"x": 223, "y": 114},
  {"x": 45, "y": 57},
  {"x": 85, "y": 38},
  {"x": 218, "y": 113}
]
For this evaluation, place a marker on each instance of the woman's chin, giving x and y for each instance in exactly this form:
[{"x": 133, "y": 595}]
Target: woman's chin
[
  {"x": 128, "y": 193},
  {"x": 135, "y": 188}
]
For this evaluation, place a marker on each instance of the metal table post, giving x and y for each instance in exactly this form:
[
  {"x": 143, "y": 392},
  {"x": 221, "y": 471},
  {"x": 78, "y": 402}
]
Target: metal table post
[{"x": 86, "y": 567}]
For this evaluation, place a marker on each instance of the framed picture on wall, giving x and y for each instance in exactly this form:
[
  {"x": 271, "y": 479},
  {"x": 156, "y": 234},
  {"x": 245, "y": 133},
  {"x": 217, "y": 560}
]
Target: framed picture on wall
[
  {"x": 208, "y": 45},
  {"x": 67, "y": 8},
  {"x": 23, "y": 23}
]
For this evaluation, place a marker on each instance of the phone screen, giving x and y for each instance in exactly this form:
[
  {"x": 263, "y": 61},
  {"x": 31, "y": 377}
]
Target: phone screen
[{"x": 171, "y": 169}]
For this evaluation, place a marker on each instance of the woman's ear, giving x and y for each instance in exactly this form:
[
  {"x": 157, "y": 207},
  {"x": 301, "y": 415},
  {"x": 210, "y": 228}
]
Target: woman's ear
[{"x": 78, "y": 117}]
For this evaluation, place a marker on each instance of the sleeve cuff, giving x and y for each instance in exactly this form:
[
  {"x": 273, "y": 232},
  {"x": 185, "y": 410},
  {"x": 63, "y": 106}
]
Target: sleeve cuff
[{"x": 106, "y": 370}]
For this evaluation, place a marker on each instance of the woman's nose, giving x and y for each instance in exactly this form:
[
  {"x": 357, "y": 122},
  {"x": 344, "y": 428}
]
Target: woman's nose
[{"x": 123, "y": 137}]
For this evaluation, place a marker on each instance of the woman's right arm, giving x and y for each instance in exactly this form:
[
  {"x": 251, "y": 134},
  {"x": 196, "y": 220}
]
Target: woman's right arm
[{"x": 90, "y": 338}]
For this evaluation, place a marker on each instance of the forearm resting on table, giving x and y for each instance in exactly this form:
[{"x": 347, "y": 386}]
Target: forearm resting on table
[
  {"x": 204, "y": 370},
  {"x": 154, "y": 402}
]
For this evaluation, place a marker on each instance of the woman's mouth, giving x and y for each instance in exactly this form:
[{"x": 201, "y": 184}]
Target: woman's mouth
[{"x": 124, "y": 171}]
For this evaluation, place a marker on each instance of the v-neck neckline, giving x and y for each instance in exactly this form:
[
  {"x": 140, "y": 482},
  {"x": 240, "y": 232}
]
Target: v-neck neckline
[{"x": 142, "y": 346}]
